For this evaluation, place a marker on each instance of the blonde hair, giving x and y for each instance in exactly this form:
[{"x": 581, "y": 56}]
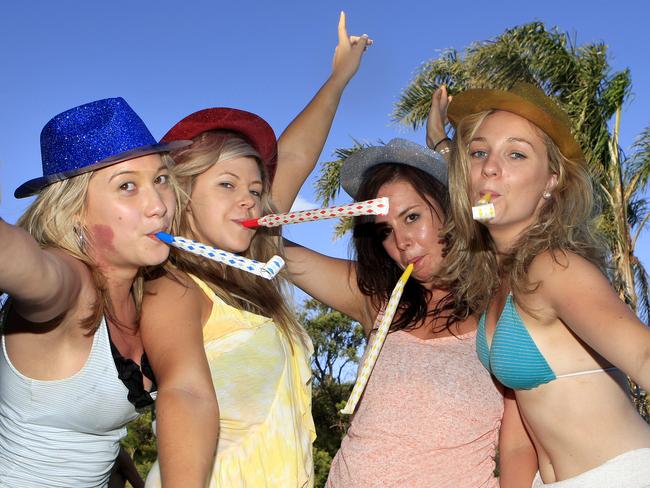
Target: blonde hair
[
  {"x": 54, "y": 219},
  {"x": 237, "y": 288},
  {"x": 566, "y": 223}
]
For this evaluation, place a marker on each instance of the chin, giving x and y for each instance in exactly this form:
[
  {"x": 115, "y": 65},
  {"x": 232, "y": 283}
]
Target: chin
[{"x": 155, "y": 257}]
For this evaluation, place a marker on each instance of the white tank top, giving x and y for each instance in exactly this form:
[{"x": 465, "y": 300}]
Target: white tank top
[{"x": 62, "y": 433}]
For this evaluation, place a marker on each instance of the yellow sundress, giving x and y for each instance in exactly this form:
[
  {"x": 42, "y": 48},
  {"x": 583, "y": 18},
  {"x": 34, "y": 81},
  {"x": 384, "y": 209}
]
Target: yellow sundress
[{"x": 264, "y": 394}]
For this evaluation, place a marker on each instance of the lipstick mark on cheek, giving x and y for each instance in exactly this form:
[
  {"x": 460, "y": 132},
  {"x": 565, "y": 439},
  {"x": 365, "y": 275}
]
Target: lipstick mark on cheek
[{"x": 102, "y": 238}]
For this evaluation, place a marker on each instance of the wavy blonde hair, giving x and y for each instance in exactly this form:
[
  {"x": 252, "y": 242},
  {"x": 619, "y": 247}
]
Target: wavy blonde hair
[
  {"x": 235, "y": 287},
  {"x": 55, "y": 218},
  {"x": 566, "y": 223}
]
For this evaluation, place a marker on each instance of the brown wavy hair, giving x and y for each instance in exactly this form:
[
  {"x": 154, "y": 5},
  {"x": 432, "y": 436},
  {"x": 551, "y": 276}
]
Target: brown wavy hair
[
  {"x": 377, "y": 273},
  {"x": 235, "y": 287},
  {"x": 566, "y": 223}
]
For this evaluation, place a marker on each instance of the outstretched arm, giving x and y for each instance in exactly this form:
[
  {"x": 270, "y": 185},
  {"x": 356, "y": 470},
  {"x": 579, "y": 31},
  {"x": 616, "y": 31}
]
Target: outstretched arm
[
  {"x": 436, "y": 135},
  {"x": 329, "y": 280},
  {"x": 45, "y": 283},
  {"x": 301, "y": 143}
]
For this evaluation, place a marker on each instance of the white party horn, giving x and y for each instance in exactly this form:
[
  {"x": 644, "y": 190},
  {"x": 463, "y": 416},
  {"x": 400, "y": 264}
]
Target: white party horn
[
  {"x": 377, "y": 206},
  {"x": 267, "y": 270},
  {"x": 376, "y": 343}
]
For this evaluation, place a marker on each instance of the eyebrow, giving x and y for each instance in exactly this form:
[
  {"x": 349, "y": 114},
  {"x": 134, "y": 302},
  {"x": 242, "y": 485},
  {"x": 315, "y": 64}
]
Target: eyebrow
[
  {"x": 407, "y": 210},
  {"x": 129, "y": 172},
  {"x": 509, "y": 139},
  {"x": 519, "y": 139},
  {"x": 237, "y": 176},
  {"x": 402, "y": 213}
]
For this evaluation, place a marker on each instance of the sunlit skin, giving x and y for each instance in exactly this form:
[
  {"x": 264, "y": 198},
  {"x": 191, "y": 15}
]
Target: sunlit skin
[
  {"x": 509, "y": 160},
  {"x": 411, "y": 230},
  {"x": 227, "y": 193},
  {"x": 126, "y": 204}
]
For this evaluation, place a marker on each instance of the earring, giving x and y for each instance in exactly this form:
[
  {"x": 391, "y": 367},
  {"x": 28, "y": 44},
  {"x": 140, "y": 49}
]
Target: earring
[
  {"x": 79, "y": 233},
  {"x": 546, "y": 195}
]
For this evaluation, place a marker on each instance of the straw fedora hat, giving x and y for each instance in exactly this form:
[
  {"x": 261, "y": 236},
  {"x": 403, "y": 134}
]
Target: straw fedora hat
[{"x": 525, "y": 100}]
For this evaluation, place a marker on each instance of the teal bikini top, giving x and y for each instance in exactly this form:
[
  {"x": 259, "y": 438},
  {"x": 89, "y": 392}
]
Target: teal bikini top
[{"x": 514, "y": 358}]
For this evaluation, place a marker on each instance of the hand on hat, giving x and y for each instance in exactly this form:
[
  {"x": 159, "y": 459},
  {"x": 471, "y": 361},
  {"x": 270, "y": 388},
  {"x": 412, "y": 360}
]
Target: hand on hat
[
  {"x": 347, "y": 56},
  {"x": 437, "y": 116}
]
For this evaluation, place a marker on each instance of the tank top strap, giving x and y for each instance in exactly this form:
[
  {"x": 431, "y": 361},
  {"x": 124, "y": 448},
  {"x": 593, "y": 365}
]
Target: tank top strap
[
  {"x": 224, "y": 318},
  {"x": 205, "y": 288}
]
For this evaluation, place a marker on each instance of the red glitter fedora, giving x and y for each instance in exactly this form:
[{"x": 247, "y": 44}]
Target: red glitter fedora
[{"x": 252, "y": 127}]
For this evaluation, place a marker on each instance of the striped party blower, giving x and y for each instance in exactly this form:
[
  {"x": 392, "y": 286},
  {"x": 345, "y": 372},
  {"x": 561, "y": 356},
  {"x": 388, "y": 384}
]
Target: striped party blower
[
  {"x": 266, "y": 270},
  {"x": 377, "y": 342}
]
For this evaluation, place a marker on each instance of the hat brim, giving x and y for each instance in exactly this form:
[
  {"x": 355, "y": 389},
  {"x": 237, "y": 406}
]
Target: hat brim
[
  {"x": 252, "y": 127},
  {"x": 479, "y": 100},
  {"x": 397, "y": 151},
  {"x": 35, "y": 185}
]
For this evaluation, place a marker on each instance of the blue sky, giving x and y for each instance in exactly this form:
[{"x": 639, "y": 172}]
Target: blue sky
[{"x": 168, "y": 59}]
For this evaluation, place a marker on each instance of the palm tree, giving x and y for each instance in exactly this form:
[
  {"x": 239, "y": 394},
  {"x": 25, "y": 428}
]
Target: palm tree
[{"x": 581, "y": 80}]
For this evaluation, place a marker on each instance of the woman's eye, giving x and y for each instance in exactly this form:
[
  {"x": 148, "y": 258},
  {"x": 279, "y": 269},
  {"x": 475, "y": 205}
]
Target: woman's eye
[
  {"x": 162, "y": 180},
  {"x": 412, "y": 217},
  {"x": 129, "y": 186},
  {"x": 226, "y": 184},
  {"x": 256, "y": 193},
  {"x": 478, "y": 154},
  {"x": 517, "y": 155}
]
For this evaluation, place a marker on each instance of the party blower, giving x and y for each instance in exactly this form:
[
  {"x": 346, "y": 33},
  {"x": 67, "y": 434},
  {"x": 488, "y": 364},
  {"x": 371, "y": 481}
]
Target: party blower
[
  {"x": 377, "y": 206},
  {"x": 266, "y": 270},
  {"x": 376, "y": 343}
]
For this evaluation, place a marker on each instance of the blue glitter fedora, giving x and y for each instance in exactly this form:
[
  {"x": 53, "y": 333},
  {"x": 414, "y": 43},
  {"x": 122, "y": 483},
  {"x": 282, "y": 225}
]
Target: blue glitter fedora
[{"x": 90, "y": 137}]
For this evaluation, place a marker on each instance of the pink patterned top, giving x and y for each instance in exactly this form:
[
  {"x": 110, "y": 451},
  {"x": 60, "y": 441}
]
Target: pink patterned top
[{"x": 429, "y": 417}]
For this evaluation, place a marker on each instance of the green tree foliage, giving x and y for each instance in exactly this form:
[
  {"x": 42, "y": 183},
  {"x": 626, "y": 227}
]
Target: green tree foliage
[
  {"x": 140, "y": 443},
  {"x": 337, "y": 340}
]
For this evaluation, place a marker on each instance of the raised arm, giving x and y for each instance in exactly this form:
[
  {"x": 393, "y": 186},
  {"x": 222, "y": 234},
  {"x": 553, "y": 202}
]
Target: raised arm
[
  {"x": 331, "y": 281},
  {"x": 436, "y": 135},
  {"x": 301, "y": 143},
  {"x": 187, "y": 422},
  {"x": 44, "y": 283},
  {"x": 583, "y": 299}
]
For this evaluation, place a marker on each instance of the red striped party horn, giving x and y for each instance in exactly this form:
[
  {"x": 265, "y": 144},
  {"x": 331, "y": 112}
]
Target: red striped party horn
[{"x": 377, "y": 206}]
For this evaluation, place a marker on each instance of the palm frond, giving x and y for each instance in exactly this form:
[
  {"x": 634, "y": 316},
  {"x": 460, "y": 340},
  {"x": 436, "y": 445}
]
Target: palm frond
[
  {"x": 637, "y": 170},
  {"x": 642, "y": 281},
  {"x": 328, "y": 184},
  {"x": 412, "y": 108},
  {"x": 343, "y": 226}
]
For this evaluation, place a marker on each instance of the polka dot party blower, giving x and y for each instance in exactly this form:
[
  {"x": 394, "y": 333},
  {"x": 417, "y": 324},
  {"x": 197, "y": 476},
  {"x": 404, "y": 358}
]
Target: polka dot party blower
[
  {"x": 266, "y": 270},
  {"x": 377, "y": 343},
  {"x": 378, "y": 206}
]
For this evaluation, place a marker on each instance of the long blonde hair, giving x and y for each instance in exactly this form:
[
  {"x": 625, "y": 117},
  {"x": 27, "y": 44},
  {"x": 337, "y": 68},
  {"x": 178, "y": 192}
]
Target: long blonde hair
[
  {"x": 235, "y": 287},
  {"x": 55, "y": 218},
  {"x": 566, "y": 223}
]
